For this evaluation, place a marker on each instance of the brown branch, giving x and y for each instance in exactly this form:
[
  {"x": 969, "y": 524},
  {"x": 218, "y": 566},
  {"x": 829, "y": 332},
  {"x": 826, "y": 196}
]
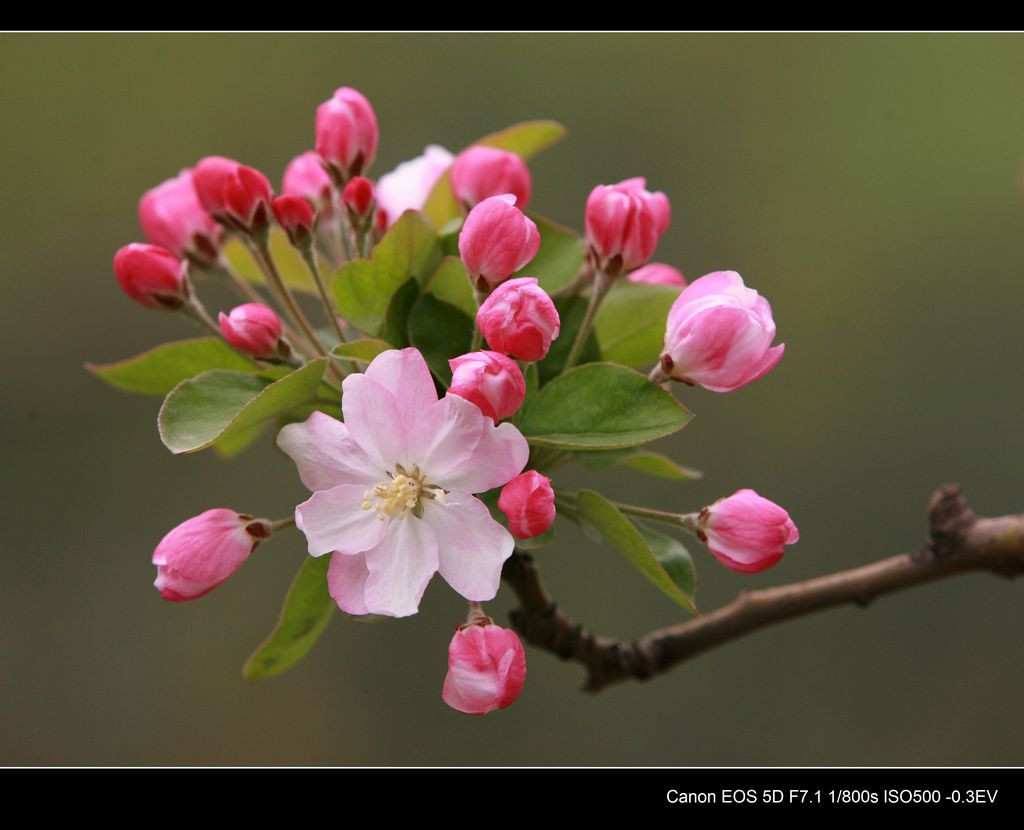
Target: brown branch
[{"x": 958, "y": 542}]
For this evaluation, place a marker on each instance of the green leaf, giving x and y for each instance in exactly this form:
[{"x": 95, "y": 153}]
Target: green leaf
[
  {"x": 364, "y": 288},
  {"x": 571, "y": 311},
  {"x": 237, "y": 442},
  {"x": 440, "y": 331},
  {"x": 307, "y": 609},
  {"x": 396, "y": 320},
  {"x": 451, "y": 284},
  {"x": 630, "y": 323},
  {"x": 559, "y": 258},
  {"x": 601, "y": 406},
  {"x": 525, "y": 140},
  {"x": 651, "y": 463},
  {"x": 674, "y": 559},
  {"x": 532, "y": 378},
  {"x": 289, "y": 262},
  {"x": 202, "y": 410},
  {"x": 159, "y": 370},
  {"x": 361, "y": 351},
  {"x": 621, "y": 533}
]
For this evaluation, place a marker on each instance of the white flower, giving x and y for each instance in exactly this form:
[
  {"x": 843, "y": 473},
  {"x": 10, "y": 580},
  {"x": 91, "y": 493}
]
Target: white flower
[{"x": 393, "y": 489}]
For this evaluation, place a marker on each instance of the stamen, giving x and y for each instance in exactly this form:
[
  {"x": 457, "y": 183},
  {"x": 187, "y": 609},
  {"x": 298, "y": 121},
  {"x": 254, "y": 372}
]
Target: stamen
[{"x": 401, "y": 494}]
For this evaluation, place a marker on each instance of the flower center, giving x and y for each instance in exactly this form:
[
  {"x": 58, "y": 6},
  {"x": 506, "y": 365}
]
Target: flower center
[{"x": 401, "y": 493}]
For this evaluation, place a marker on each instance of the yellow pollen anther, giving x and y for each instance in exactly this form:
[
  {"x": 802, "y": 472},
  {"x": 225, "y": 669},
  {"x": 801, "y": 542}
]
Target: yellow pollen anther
[{"x": 400, "y": 495}]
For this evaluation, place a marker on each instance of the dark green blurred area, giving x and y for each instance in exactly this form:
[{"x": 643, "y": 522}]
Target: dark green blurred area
[{"x": 867, "y": 185}]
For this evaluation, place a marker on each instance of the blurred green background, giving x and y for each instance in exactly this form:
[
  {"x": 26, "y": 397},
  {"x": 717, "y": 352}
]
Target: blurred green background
[{"x": 866, "y": 184}]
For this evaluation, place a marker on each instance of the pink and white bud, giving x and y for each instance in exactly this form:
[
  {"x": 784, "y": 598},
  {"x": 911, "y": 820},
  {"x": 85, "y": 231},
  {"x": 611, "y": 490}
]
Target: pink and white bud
[
  {"x": 346, "y": 133},
  {"x": 296, "y": 215},
  {"x": 497, "y": 239},
  {"x": 745, "y": 532},
  {"x": 481, "y": 172},
  {"x": 658, "y": 273},
  {"x": 719, "y": 334},
  {"x": 623, "y": 223},
  {"x": 172, "y": 217},
  {"x": 408, "y": 185},
  {"x": 358, "y": 197},
  {"x": 305, "y": 176},
  {"x": 491, "y": 381},
  {"x": 151, "y": 275},
  {"x": 520, "y": 319},
  {"x": 486, "y": 669},
  {"x": 235, "y": 194},
  {"x": 528, "y": 503},
  {"x": 202, "y": 552},
  {"x": 252, "y": 328}
]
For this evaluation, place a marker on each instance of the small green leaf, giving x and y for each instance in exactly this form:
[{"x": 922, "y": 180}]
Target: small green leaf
[
  {"x": 396, "y": 320},
  {"x": 206, "y": 408},
  {"x": 289, "y": 262},
  {"x": 571, "y": 311},
  {"x": 601, "y": 406},
  {"x": 630, "y": 323},
  {"x": 307, "y": 609},
  {"x": 236, "y": 443},
  {"x": 674, "y": 559},
  {"x": 440, "y": 331},
  {"x": 451, "y": 284},
  {"x": 525, "y": 140},
  {"x": 159, "y": 370},
  {"x": 361, "y": 351},
  {"x": 363, "y": 289},
  {"x": 622, "y": 534},
  {"x": 559, "y": 258},
  {"x": 651, "y": 463}
]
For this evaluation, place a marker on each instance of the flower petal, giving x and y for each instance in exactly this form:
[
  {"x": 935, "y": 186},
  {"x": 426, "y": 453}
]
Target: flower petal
[
  {"x": 400, "y": 567},
  {"x": 325, "y": 454},
  {"x": 346, "y": 580},
  {"x": 471, "y": 546},
  {"x": 499, "y": 457},
  {"x": 334, "y": 520},
  {"x": 376, "y": 420},
  {"x": 405, "y": 375},
  {"x": 446, "y": 435}
]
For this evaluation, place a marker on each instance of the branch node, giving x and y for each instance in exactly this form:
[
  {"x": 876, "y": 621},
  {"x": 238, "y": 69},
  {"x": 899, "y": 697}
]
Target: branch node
[{"x": 949, "y": 519}]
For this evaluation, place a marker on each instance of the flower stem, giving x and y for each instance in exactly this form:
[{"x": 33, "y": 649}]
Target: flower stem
[
  {"x": 249, "y": 293},
  {"x": 309, "y": 257},
  {"x": 687, "y": 521},
  {"x": 261, "y": 251},
  {"x": 601, "y": 285},
  {"x": 281, "y": 524}
]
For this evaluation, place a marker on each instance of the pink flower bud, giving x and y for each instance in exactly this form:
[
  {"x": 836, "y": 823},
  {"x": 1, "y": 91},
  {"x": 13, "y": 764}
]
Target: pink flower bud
[
  {"x": 347, "y": 133},
  {"x": 658, "y": 273},
  {"x": 481, "y": 172},
  {"x": 745, "y": 532},
  {"x": 529, "y": 503},
  {"x": 252, "y": 328},
  {"x": 200, "y": 553},
  {"x": 151, "y": 275},
  {"x": 496, "y": 240},
  {"x": 358, "y": 196},
  {"x": 305, "y": 176},
  {"x": 172, "y": 217},
  {"x": 491, "y": 381},
  {"x": 719, "y": 334},
  {"x": 235, "y": 194},
  {"x": 295, "y": 214},
  {"x": 624, "y": 223},
  {"x": 486, "y": 669},
  {"x": 519, "y": 319},
  {"x": 408, "y": 185}
]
